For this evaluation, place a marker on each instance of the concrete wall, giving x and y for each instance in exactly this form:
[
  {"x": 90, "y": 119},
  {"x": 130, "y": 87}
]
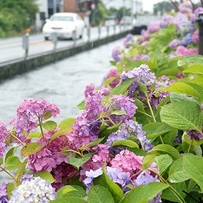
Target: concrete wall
[{"x": 17, "y": 67}]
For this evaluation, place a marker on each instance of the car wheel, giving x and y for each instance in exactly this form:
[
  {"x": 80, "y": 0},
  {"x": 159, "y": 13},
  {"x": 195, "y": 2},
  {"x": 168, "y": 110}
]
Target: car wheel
[{"x": 46, "y": 38}]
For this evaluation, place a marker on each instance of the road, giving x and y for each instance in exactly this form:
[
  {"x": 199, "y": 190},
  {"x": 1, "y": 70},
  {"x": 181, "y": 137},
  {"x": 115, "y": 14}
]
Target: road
[{"x": 11, "y": 49}]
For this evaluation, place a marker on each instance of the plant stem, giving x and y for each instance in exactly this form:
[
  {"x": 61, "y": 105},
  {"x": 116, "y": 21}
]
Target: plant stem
[
  {"x": 40, "y": 126},
  {"x": 71, "y": 150},
  {"x": 18, "y": 139},
  {"x": 189, "y": 148},
  {"x": 7, "y": 172}
]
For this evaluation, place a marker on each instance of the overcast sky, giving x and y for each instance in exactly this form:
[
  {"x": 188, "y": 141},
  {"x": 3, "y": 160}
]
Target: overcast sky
[{"x": 147, "y": 4}]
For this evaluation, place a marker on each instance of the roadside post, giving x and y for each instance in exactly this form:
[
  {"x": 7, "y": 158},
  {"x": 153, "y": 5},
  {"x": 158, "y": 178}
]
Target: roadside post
[
  {"x": 99, "y": 32},
  {"x": 88, "y": 34},
  {"x": 200, "y": 22},
  {"x": 107, "y": 30},
  {"x": 25, "y": 43},
  {"x": 54, "y": 39}
]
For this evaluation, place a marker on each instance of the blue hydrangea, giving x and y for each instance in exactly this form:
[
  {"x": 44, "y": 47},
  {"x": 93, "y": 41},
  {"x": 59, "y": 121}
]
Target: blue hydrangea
[
  {"x": 187, "y": 40},
  {"x": 35, "y": 190}
]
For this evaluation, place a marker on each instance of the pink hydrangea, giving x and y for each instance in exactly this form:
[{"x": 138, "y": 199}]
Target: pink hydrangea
[
  {"x": 183, "y": 51},
  {"x": 3, "y": 135},
  {"x": 30, "y": 112},
  {"x": 153, "y": 27},
  {"x": 101, "y": 156},
  {"x": 186, "y": 7},
  {"x": 127, "y": 161},
  {"x": 89, "y": 89},
  {"x": 195, "y": 36},
  {"x": 50, "y": 155},
  {"x": 113, "y": 73}
]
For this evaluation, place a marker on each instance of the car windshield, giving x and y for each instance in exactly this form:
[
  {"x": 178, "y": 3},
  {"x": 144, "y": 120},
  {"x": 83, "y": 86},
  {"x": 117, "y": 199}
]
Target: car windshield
[{"x": 61, "y": 18}]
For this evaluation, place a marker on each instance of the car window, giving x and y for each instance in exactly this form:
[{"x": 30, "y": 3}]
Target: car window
[{"x": 61, "y": 18}]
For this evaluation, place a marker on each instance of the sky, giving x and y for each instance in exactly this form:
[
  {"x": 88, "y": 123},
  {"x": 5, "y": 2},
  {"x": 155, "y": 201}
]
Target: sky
[{"x": 147, "y": 4}]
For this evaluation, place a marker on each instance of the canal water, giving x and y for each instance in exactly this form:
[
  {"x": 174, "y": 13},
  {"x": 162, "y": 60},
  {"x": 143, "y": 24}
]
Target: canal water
[{"x": 62, "y": 82}]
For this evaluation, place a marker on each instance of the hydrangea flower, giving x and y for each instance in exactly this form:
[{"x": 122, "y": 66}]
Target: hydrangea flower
[
  {"x": 194, "y": 135},
  {"x": 116, "y": 54},
  {"x": 153, "y": 27},
  {"x": 174, "y": 43},
  {"x": 34, "y": 190},
  {"x": 196, "y": 13},
  {"x": 121, "y": 102},
  {"x": 3, "y": 193},
  {"x": 30, "y": 112},
  {"x": 128, "y": 40},
  {"x": 186, "y": 7},
  {"x": 183, "y": 51},
  {"x": 166, "y": 20},
  {"x": 3, "y": 135},
  {"x": 187, "y": 40},
  {"x": 143, "y": 57},
  {"x": 195, "y": 36},
  {"x": 89, "y": 90},
  {"x": 113, "y": 73}
]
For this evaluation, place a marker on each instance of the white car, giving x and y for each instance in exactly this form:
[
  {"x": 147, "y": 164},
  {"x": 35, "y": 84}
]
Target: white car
[{"x": 65, "y": 25}]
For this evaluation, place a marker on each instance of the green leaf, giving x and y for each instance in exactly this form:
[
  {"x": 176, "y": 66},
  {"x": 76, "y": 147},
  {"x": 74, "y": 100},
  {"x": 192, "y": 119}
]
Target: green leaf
[
  {"x": 177, "y": 172},
  {"x": 118, "y": 112},
  {"x": 71, "y": 190},
  {"x": 34, "y": 135},
  {"x": 67, "y": 123},
  {"x": 12, "y": 163},
  {"x": 195, "y": 68},
  {"x": 192, "y": 142},
  {"x": 46, "y": 176},
  {"x": 69, "y": 200},
  {"x": 21, "y": 170},
  {"x": 143, "y": 88},
  {"x": 47, "y": 115},
  {"x": 60, "y": 133},
  {"x": 49, "y": 125},
  {"x": 78, "y": 162},
  {"x": 121, "y": 89},
  {"x": 10, "y": 188},
  {"x": 10, "y": 153},
  {"x": 112, "y": 187},
  {"x": 163, "y": 162},
  {"x": 147, "y": 161},
  {"x": 144, "y": 193},
  {"x": 189, "y": 60},
  {"x": 154, "y": 130},
  {"x": 193, "y": 166},
  {"x": 182, "y": 115},
  {"x": 187, "y": 88},
  {"x": 166, "y": 149},
  {"x": 108, "y": 81},
  {"x": 31, "y": 148},
  {"x": 99, "y": 194},
  {"x": 95, "y": 142},
  {"x": 1, "y": 161},
  {"x": 125, "y": 143},
  {"x": 81, "y": 105}
]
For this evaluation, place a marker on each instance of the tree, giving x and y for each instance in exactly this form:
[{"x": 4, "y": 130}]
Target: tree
[
  {"x": 162, "y": 7},
  {"x": 15, "y": 16}
]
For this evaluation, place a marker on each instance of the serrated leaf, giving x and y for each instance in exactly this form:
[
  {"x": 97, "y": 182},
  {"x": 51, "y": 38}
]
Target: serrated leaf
[
  {"x": 189, "y": 60},
  {"x": 49, "y": 125},
  {"x": 193, "y": 166},
  {"x": 95, "y": 142},
  {"x": 67, "y": 123},
  {"x": 34, "y": 135},
  {"x": 31, "y": 148},
  {"x": 163, "y": 162},
  {"x": 81, "y": 105},
  {"x": 166, "y": 149},
  {"x": 147, "y": 161},
  {"x": 78, "y": 162},
  {"x": 21, "y": 169},
  {"x": 10, "y": 188},
  {"x": 143, "y": 88},
  {"x": 118, "y": 112},
  {"x": 10, "y": 153},
  {"x": 46, "y": 176},
  {"x": 12, "y": 163},
  {"x": 195, "y": 68},
  {"x": 177, "y": 173},
  {"x": 60, "y": 133},
  {"x": 47, "y": 115},
  {"x": 99, "y": 194},
  {"x": 154, "y": 130},
  {"x": 182, "y": 115},
  {"x": 125, "y": 143},
  {"x": 144, "y": 193}
]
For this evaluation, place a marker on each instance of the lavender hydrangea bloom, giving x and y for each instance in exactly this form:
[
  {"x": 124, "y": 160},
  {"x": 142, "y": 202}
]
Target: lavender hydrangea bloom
[
  {"x": 196, "y": 13},
  {"x": 3, "y": 136},
  {"x": 166, "y": 20},
  {"x": 34, "y": 190},
  {"x": 187, "y": 40},
  {"x": 116, "y": 54},
  {"x": 3, "y": 193},
  {"x": 118, "y": 176},
  {"x": 153, "y": 27},
  {"x": 141, "y": 74},
  {"x": 90, "y": 175},
  {"x": 143, "y": 57},
  {"x": 174, "y": 43},
  {"x": 128, "y": 40},
  {"x": 194, "y": 135}
]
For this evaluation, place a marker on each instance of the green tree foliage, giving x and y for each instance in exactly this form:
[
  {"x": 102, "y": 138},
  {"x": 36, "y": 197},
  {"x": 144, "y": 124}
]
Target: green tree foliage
[
  {"x": 119, "y": 13},
  {"x": 16, "y": 15},
  {"x": 162, "y": 7}
]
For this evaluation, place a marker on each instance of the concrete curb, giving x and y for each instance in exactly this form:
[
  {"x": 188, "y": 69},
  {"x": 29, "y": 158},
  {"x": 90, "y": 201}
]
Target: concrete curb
[{"x": 20, "y": 66}]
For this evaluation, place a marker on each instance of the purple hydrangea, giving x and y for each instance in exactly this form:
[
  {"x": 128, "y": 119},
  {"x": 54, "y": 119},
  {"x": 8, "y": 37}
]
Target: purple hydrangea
[
  {"x": 174, "y": 43},
  {"x": 128, "y": 40},
  {"x": 196, "y": 13},
  {"x": 142, "y": 74},
  {"x": 89, "y": 90},
  {"x": 90, "y": 175},
  {"x": 116, "y": 54},
  {"x": 113, "y": 73},
  {"x": 143, "y": 57},
  {"x": 3, "y": 135},
  {"x": 186, "y": 7},
  {"x": 153, "y": 27},
  {"x": 195, "y": 36},
  {"x": 34, "y": 190},
  {"x": 30, "y": 112},
  {"x": 118, "y": 176},
  {"x": 3, "y": 193},
  {"x": 194, "y": 135},
  {"x": 121, "y": 102},
  {"x": 166, "y": 20},
  {"x": 187, "y": 40}
]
